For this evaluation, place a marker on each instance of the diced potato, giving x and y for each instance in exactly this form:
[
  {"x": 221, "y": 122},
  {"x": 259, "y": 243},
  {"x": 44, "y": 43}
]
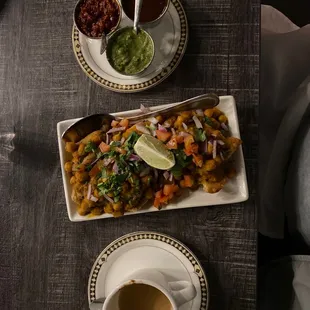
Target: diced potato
[
  {"x": 85, "y": 207},
  {"x": 81, "y": 149},
  {"x": 81, "y": 176},
  {"x": 68, "y": 166},
  {"x": 70, "y": 147}
]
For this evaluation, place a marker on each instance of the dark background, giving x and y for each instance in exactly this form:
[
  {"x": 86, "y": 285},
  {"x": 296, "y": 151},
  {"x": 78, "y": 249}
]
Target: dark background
[{"x": 298, "y": 11}]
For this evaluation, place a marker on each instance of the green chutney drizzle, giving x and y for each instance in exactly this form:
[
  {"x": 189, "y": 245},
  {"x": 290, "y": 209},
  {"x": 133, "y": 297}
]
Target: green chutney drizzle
[{"x": 130, "y": 52}]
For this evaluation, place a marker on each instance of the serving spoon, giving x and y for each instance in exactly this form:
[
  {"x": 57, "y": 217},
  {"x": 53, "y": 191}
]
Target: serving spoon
[
  {"x": 88, "y": 124},
  {"x": 138, "y": 6},
  {"x": 103, "y": 44}
]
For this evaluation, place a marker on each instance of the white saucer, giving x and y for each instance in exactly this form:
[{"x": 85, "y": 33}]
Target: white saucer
[
  {"x": 148, "y": 250},
  {"x": 170, "y": 37}
]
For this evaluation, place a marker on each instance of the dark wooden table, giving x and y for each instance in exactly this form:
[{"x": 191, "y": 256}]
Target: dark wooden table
[{"x": 45, "y": 259}]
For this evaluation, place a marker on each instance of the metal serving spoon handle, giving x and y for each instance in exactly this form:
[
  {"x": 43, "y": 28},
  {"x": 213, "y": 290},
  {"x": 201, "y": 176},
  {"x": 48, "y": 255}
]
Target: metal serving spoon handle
[
  {"x": 206, "y": 101},
  {"x": 90, "y": 123},
  {"x": 138, "y": 6},
  {"x": 103, "y": 44}
]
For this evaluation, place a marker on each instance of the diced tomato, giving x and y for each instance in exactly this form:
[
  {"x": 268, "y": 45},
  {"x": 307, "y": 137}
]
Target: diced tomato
[
  {"x": 104, "y": 147},
  {"x": 188, "y": 140},
  {"x": 180, "y": 139},
  {"x": 172, "y": 144},
  {"x": 188, "y": 152},
  {"x": 124, "y": 123},
  {"x": 188, "y": 181},
  {"x": 170, "y": 189},
  {"x": 94, "y": 171},
  {"x": 163, "y": 136}
]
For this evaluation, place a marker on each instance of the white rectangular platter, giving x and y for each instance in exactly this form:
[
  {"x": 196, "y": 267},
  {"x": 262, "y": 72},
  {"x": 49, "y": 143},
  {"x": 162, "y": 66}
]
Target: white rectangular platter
[{"x": 236, "y": 190}]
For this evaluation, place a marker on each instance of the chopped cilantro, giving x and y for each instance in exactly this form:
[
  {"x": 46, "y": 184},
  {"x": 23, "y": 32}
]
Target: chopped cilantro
[
  {"x": 181, "y": 158},
  {"x": 131, "y": 141},
  {"x": 208, "y": 121},
  {"x": 182, "y": 161},
  {"x": 104, "y": 173},
  {"x": 176, "y": 170},
  {"x": 90, "y": 147},
  {"x": 200, "y": 135},
  {"x": 113, "y": 184},
  {"x": 99, "y": 154}
]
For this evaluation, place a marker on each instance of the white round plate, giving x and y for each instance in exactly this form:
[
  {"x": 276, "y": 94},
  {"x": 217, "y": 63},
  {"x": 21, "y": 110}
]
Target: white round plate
[
  {"x": 170, "y": 37},
  {"x": 148, "y": 250}
]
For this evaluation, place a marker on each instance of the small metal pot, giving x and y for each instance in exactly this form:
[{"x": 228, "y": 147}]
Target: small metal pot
[
  {"x": 75, "y": 15},
  {"x": 153, "y": 22}
]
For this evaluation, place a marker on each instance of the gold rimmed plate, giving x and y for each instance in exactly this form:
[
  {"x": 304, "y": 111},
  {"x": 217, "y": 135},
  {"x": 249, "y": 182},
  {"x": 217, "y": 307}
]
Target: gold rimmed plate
[
  {"x": 170, "y": 37},
  {"x": 150, "y": 250}
]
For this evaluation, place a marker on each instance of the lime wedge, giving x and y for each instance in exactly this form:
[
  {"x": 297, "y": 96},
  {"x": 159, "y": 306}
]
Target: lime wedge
[{"x": 154, "y": 152}]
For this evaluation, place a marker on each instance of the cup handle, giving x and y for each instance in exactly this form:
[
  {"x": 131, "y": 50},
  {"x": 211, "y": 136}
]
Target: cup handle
[{"x": 182, "y": 291}]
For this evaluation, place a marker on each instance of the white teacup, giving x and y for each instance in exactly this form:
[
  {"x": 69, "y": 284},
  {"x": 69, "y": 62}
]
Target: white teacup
[{"x": 178, "y": 292}]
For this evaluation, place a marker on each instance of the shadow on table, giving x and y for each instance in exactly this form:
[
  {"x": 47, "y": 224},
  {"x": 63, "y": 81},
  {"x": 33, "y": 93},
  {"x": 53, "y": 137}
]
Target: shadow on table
[
  {"x": 2, "y": 5},
  {"x": 275, "y": 291},
  {"x": 215, "y": 287},
  {"x": 33, "y": 150}
]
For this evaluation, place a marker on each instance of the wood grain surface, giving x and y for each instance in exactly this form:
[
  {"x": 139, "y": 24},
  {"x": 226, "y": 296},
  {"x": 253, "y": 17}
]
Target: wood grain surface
[{"x": 45, "y": 259}]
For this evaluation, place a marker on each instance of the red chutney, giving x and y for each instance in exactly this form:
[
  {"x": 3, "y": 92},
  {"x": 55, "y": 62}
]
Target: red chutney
[
  {"x": 150, "y": 11},
  {"x": 96, "y": 17}
]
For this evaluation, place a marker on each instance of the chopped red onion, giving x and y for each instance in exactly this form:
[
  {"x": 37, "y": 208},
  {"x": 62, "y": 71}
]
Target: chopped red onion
[
  {"x": 205, "y": 146},
  {"x": 184, "y": 126},
  {"x": 95, "y": 161},
  {"x": 93, "y": 198},
  {"x": 144, "y": 109},
  {"x": 134, "y": 157},
  {"x": 155, "y": 174},
  {"x": 107, "y": 161},
  {"x": 166, "y": 124},
  {"x": 197, "y": 122},
  {"x": 184, "y": 134},
  {"x": 173, "y": 131},
  {"x": 222, "y": 156},
  {"x": 145, "y": 172},
  {"x": 220, "y": 142},
  {"x": 107, "y": 139},
  {"x": 115, "y": 168},
  {"x": 108, "y": 198},
  {"x": 166, "y": 175},
  {"x": 88, "y": 191},
  {"x": 224, "y": 126},
  {"x": 171, "y": 177},
  {"x": 199, "y": 112},
  {"x": 123, "y": 140},
  {"x": 153, "y": 120},
  {"x": 162, "y": 128},
  {"x": 214, "y": 149},
  {"x": 116, "y": 129},
  {"x": 143, "y": 129}
]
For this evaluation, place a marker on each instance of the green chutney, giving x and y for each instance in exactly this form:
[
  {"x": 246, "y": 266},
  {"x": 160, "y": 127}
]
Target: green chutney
[{"x": 129, "y": 52}]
